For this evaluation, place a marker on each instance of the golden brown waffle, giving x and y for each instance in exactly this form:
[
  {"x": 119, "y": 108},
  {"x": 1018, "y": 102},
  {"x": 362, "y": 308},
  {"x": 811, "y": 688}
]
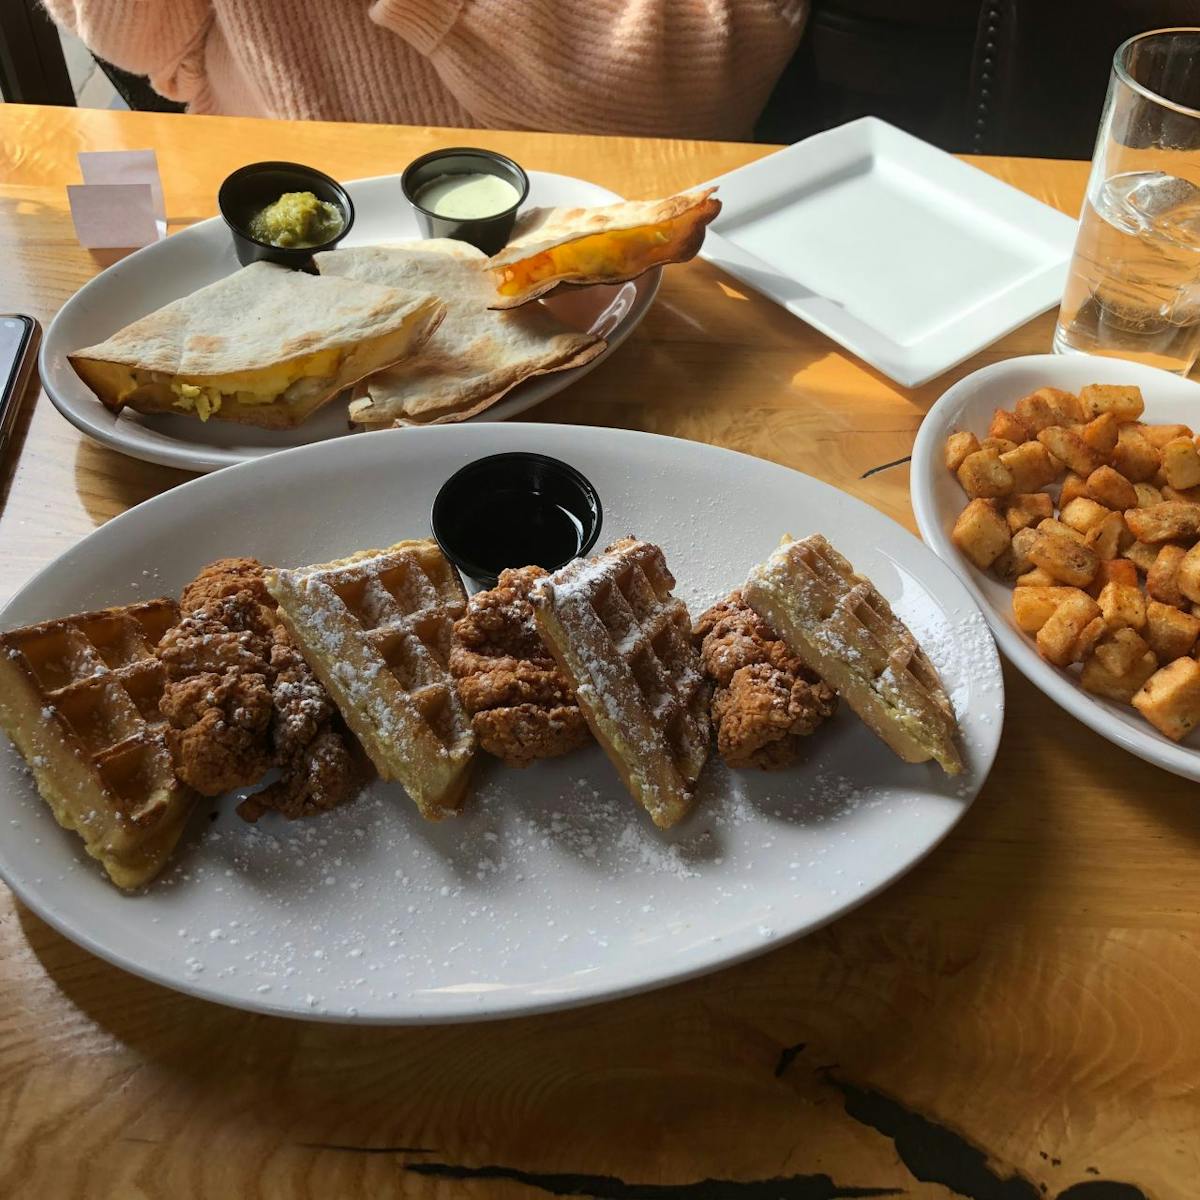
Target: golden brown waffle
[
  {"x": 79, "y": 698},
  {"x": 376, "y": 629},
  {"x": 843, "y": 629},
  {"x": 625, "y": 643}
]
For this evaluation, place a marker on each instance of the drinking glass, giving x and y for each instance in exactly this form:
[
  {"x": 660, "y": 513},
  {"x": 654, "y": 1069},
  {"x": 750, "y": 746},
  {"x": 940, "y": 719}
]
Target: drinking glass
[{"x": 1133, "y": 290}]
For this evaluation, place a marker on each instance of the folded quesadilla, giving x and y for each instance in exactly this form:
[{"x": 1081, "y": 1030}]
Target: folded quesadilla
[
  {"x": 475, "y": 356},
  {"x": 550, "y": 247},
  {"x": 264, "y": 346}
]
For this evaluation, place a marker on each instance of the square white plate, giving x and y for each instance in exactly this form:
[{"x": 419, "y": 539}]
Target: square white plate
[{"x": 909, "y": 258}]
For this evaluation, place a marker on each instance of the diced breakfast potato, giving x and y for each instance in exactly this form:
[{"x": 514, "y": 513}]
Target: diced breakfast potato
[
  {"x": 1031, "y": 467},
  {"x": 1147, "y": 494},
  {"x": 1113, "y": 570},
  {"x": 1164, "y": 522},
  {"x": 1067, "y": 560},
  {"x": 1062, "y": 529},
  {"x": 1181, "y": 463},
  {"x": 1188, "y": 576},
  {"x": 1159, "y": 435},
  {"x": 1073, "y": 486},
  {"x": 1101, "y": 434},
  {"x": 1109, "y": 537},
  {"x": 1170, "y": 698},
  {"x": 1119, "y": 665},
  {"x": 1026, "y": 509},
  {"x": 982, "y": 474},
  {"x": 1191, "y": 495},
  {"x": 981, "y": 533},
  {"x": 958, "y": 446},
  {"x": 1123, "y": 606},
  {"x": 1013, "y": 561},
  {"x": 1033, "y": 606},
  {"x": 1069, "y": 448},
  {"x": 1141, "y": 554},
  {"x": 1162, "y": 580},
  {"x": 1048, "y": 406},
  {"x": 1125, "y": 403},
  {"x": 1110, "y": 488},
  {"x": 1071, "y": 631},
  {"x": 1082, "y": 514},
  {"x": 1037, "y": 578},
  {"x": 1171, "y": 633},
  {"x": 999, "y": 444},
  {"x": 1134, "y": 456},
  {"x": 1007, "y": 425}
]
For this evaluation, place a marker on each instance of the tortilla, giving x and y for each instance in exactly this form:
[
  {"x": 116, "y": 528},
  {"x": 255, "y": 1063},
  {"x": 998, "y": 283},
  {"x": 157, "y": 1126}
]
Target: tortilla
[
  {"x": 264, "y": 346},
  {"x": 552, "y": 247},
  {"x": 475, "y": 357}
]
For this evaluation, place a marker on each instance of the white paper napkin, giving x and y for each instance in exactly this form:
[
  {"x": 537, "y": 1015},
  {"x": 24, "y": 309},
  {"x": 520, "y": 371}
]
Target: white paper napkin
[{"x": 119, "y": 205}]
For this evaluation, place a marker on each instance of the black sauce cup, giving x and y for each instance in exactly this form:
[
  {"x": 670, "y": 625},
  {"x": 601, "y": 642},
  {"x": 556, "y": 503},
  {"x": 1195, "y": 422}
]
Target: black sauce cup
[
  {"x": 489, "y": 233},
  {"x": 515, "y": 510},
  {"x": 251, "y": 188}
]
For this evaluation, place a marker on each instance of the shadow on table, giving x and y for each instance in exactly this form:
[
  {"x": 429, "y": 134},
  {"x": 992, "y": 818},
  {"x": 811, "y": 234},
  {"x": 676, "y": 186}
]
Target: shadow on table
[{"x": 108, "y": 482}]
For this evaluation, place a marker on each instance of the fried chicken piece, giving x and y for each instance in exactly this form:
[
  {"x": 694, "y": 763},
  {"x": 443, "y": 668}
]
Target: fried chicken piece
[
  {"x": 226, "y": 577},
  {"x": 240, "y": 700},
  {"x": 521, "y": 706},
  {"x": 765, "y": 698}
]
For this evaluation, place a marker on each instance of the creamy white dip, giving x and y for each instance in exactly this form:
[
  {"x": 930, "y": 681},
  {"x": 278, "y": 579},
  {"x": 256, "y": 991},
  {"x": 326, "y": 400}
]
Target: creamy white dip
[{"x": 464, "y": 197}]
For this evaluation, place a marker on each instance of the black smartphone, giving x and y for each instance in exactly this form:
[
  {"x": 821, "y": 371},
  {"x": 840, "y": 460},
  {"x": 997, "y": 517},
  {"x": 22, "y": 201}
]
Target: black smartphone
[{"x": 19, "y": 336}]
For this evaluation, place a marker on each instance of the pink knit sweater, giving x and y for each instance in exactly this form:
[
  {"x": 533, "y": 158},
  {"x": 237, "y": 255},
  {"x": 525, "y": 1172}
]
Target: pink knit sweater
[{"x": 686, "y": 68}]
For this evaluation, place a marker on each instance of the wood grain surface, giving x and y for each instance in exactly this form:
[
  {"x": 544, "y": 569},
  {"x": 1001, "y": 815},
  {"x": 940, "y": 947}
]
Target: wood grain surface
[{"x": 1018, "y": 1017}]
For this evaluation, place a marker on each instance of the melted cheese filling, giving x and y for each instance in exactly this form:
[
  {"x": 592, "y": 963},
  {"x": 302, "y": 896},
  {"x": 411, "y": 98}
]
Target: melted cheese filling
[
  {"x": 204, "y": 394},
  {"x": 599, "y": 254}
]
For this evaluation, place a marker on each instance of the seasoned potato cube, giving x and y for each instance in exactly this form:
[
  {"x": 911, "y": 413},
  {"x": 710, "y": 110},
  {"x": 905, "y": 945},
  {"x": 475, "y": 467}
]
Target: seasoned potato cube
[
  {"x": 1014, "y": 561},
  {"x": 1147, "y": 494},
  {"x": 1133, "y": 456},
  {"x": 1159, "y": 435},
  {"x": 983, "y": 474},
  {"x": 1071, "y": 630},
  {"x": 1048, "y": 406},
  {"x": 1119, "y": 665},
  {"x": 1082, "y": 514},
  {"x": 1171, "y": 633},
  {"x": 1073, "y": 486},
  {"x": 1067, "y": 560},
  {"x": 1026, "y": 509},
  {"x": 1113, "y": 570},
  {"x": 1069, "y": 448},
  {"x": 1031, "y": 466},
  {"x": 1109, "y": 537},
  {"x": 1037, "y": 578},
  {"x": 1101, "y": 434},
  {"x": 1034, "y": 606},
  {"x": 1125, "y": 403},
  {"x": 1170, "y": 698},
  {"x": 981, "y": 533},
  {"x": 1123, "y": 606},
  {"x": 958, "y": 446},
  {"x": 1164, "y": 522},
  {"x": 1190, "y": 495},
  {"x": 1162, "y": 580},
  {"x": 1141, "y": 554},
  {"x": 1063, "y": 530},
  {"x": 1181, "y": 463},
  {"x": 1000, "y": 445},
  {"x": 1110, "y": 488},
  {"x": 1007, "y": 425},
  {"x": 1188, "y": 576}
]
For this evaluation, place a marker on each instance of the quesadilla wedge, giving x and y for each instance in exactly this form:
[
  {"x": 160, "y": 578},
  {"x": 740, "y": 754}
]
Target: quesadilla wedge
[
  {"x": 555, "y": 246},
  {"x": 476, "y": 355},
  {"x": 264, "y": 346}
]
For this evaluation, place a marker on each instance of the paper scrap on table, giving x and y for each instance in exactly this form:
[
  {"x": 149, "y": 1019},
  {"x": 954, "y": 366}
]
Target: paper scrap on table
[{"x": 120, "y": 202}]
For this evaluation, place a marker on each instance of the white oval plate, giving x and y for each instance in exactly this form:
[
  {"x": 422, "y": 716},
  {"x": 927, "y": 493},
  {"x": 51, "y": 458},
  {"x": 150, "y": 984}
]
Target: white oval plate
[
  {"x": 552, "y": 888},
  {"x": 203, "y": 253},
  {"x": 938, "y": 499}
]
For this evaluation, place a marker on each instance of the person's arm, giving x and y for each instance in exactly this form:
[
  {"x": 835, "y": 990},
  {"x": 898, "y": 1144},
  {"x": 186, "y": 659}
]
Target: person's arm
[
  {"x": 691, "y": 68},
  {"x": 159, "y": 38}
]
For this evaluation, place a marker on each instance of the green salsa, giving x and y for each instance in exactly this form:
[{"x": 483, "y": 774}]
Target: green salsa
[{"x": 296, "y": 219}]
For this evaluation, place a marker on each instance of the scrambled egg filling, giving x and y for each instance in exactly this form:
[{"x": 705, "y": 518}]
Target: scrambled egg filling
[
  {"x": 598, "y": 254},
  {"x": 204, "y": 394}
]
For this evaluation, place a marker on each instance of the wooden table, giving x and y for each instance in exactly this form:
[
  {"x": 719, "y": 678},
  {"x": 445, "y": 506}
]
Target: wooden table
[{"x": 1019, "y": 1016}]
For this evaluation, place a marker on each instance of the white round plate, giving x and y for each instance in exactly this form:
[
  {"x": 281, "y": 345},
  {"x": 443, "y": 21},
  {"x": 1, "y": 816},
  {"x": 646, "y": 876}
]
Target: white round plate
[
  {"x": 552, "y": 888},
  {"x": 203, "y": 253},
  {"x": 938, "y": 499}
]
